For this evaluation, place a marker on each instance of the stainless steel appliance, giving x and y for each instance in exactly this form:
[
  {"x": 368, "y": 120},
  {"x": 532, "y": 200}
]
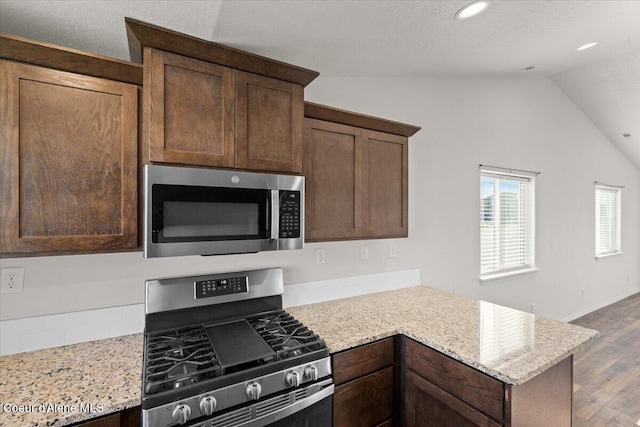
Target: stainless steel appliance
[
  {"x": 197, "y": 211},
  {"x": 219, "y": 351}
]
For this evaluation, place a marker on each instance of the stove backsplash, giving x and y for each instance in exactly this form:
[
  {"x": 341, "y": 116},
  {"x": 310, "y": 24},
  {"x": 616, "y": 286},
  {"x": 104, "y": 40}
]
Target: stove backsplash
[{"x": 40, "y": 332}]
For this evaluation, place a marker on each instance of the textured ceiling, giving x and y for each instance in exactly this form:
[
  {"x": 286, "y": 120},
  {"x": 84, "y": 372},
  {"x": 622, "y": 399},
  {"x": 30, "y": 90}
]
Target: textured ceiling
[
  {"x": 387, "y": 38},
  {"x": 608, "y": 92}
]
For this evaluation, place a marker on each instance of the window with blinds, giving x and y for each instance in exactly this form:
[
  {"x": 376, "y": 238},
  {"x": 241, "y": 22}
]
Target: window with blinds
[
  {"x": 506, "y": 222},
  {"x": 607, "y": 220}
]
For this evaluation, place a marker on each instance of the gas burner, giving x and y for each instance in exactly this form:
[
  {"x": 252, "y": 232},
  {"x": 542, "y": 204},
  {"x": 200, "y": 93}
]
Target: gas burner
[
  {"x": 285, "y": 335},
  {"x": 291, "y": 348},
  {"x": 179, "y": 358}
]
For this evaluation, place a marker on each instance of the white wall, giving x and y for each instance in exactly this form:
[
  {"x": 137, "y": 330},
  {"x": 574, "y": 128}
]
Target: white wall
[
  {"x": 524, "y": 123},
  {"x": 520, "y": 123}
]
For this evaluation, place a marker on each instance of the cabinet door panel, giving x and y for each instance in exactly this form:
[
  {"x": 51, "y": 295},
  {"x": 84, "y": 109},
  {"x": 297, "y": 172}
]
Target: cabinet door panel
[
  {"x": 364, "y": 402},
  {"x": 333, "y": 181},
  {"x": 69, "y": 162},
  {"x": 107, "y": 421},
  {"x": 427, "y": 405},
  {"x": 269, "y": 124},
  {"x": 476, "y": 388},
  {"x": 385, "y": 184},
  {"x": 189, "y": 110}
]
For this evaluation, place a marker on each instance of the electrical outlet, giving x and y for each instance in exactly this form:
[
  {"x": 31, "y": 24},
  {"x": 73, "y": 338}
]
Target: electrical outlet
[
  {"x": 364, "y": 253},
  {"x": 393, "y": 250},
  {"x": 582, "y": 292},
  {"x": 320, "y": 256},
  {"x": 533, "y": 308},
  {"x": 12, "y": 280}
]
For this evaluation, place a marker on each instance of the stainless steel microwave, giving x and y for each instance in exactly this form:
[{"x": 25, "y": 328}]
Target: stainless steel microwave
[{"x": 197, "y": 211}]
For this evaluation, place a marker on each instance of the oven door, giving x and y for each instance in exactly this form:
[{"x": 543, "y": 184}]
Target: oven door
[
  {"x": 310, "y": 406},
  {"x": 317, "y": 415}
]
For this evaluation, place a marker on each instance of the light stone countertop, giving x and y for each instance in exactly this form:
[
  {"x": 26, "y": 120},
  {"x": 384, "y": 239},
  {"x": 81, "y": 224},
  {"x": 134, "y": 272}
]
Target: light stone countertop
[
  {"x": 105, "y": 374},
  {"x": 507, "y": 344}
]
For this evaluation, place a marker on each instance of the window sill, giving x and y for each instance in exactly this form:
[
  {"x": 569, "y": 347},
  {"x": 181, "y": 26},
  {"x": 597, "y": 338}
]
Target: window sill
[
  {"x": 608, "y": 254},
  {"x": 495, "y": 277}
]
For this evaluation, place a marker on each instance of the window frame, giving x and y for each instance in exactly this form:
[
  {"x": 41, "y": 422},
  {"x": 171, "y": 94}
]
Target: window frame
[
  {"x": 618, "y": 218},
  {"x": 529, "y": 266}
]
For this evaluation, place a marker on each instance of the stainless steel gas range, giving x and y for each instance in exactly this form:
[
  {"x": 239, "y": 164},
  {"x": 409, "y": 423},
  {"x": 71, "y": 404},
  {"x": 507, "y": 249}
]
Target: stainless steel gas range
[{"x": 221, "y": 352}]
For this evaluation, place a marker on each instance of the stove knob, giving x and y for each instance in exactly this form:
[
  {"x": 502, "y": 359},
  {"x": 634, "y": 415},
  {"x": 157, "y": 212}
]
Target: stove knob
[
  {"x": 208, "y": 405},
  {"x": 253, "y": 390},
  {"x": 293, "y": 378},
  {"x": 311, "y": 373},
  {"x": 181, "y": 413}
]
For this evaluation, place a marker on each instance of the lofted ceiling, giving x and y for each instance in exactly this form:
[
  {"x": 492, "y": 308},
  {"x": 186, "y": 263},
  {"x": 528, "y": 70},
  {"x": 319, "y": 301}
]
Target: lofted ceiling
[{"x": 389, "y": 38}]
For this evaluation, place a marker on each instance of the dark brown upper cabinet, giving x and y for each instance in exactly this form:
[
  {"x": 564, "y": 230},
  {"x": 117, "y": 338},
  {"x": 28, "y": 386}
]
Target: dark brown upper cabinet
[
  {"x": 211, "y": 105},
  {"x": 68, "y": 175},
  {"x": 188, "y": 110},
  {"x": 356, "y": 170}
]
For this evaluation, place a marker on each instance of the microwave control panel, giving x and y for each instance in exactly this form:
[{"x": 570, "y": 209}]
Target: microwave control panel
[
  {"x": 217, "y": 287},
  {"x": 289, "y": 214}
]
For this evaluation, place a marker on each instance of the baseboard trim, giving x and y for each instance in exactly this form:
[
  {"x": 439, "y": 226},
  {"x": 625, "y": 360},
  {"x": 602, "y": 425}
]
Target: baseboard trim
[{"x": 599, "y": 306}]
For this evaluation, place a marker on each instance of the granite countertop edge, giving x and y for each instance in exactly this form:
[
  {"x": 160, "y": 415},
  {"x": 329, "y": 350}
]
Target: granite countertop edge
[
  {"x": 508, "y": 379},
  {"x": 451, "y": 353}
]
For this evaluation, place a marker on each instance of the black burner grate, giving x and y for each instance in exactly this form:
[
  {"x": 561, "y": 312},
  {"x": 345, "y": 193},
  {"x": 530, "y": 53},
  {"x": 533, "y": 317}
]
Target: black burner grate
[
  {"x": 178, "y": 358},
  {"x": 285, "y": 335}
]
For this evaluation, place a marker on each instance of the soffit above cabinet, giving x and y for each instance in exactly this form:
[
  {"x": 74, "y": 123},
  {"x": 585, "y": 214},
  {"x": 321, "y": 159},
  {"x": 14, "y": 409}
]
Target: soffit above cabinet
[
  {"x": 350, "y": 118},
  {"x": 142, "y": 34}
]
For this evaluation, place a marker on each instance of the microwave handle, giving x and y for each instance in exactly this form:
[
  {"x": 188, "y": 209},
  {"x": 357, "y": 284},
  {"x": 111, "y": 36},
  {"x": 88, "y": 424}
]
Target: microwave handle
[{"x": 275, "y": 213}]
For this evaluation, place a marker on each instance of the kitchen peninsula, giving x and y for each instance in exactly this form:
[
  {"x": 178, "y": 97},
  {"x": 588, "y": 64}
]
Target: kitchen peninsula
[{"x": 490, "y": 352}]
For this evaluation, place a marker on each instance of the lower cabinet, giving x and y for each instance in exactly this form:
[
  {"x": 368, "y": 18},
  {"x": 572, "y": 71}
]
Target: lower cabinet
[
  {"x": 443, "y": 392},
  {"x": 127, "y": 418},
  {"x": 364, "y": 378},
  {"x": 112, "y": 420},
  {"x": 427, "y": 405},
  {"x": 440, "y": 391},
  {"x": 405, "y": 383}
]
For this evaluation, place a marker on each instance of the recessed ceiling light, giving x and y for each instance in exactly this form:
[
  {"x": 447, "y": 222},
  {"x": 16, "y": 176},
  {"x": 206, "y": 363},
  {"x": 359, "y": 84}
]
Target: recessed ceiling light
[
  {"x": 529, "y": 68},
  {"x": 627, "y": 135},
  {"x": 471, "y": 10},
  {"x": 587, "y": 46}
]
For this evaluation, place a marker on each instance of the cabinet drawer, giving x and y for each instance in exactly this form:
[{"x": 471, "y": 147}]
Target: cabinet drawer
[
  {"x": 365, "y": 402},
  {"x": 354, "y": 363},
  {"x": 464, "y": 382}
]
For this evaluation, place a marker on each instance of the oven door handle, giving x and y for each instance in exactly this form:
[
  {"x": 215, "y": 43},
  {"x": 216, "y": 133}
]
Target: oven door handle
[
  {"x": 275, "y": 214},
  {"x": 290, "y": 409}
]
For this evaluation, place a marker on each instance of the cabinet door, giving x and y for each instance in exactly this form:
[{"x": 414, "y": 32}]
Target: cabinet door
[
  {"x": 131, "y": 417},
  {"x": 188, "y": 111},
  {"x": 107, "y": 421},
  {"x": 385, "y": 184},
  {"x": 365, "y": 402},
  {"x": 332, "y": 166},
  {"x": 269, "y": 124},
  {"x": 68, "y": 181},
  {"x": 427, "y": 405}
]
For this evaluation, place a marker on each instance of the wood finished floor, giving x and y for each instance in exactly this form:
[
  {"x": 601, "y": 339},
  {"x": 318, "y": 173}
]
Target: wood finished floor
[{"x": 606, "y": 374}]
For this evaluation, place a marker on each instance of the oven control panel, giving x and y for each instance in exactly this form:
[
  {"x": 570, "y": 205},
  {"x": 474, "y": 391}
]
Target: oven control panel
[
  {"x": 289, "y": 214},
  {"x": 217, "y": 287}
]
